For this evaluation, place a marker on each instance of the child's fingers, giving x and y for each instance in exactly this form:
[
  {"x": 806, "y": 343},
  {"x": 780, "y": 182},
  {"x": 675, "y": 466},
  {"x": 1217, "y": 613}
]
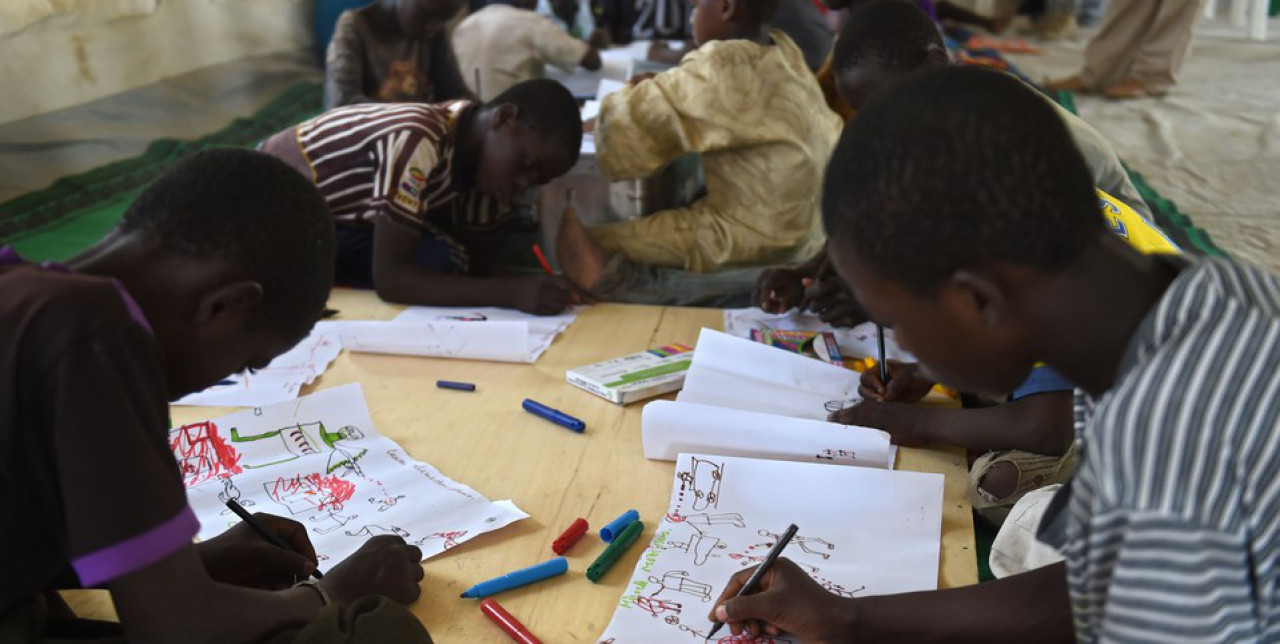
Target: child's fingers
[{"x": 291, "y": 532}]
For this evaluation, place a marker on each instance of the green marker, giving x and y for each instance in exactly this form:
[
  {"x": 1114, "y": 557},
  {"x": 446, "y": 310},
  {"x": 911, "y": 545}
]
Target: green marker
[{"x": 610, "y": 556}]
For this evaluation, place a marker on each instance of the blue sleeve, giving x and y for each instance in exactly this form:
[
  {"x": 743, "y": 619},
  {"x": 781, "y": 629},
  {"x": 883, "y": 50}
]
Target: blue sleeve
[{"x": 1041, "y": 380}]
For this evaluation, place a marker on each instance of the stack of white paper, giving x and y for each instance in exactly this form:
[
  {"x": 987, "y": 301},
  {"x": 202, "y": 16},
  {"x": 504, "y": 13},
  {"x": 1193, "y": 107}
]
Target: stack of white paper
[
  {"x": 319, "y": 461},
  {"x": 670, "y": 428},
  {"x": 489, "y": 333},
  {"x": 740, "y": 374},
  {"x": 861, "y": 532},
  {"x": 858, "y": 342},
  {"x": 278, "y": 382}
]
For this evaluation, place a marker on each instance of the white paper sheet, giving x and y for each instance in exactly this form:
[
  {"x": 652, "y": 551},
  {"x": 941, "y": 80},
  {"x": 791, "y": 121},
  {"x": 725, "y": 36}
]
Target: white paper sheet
[
  {"x": 607, "y": 87},
  {"x": 862, "y": 532},
  {"x": 278, "y": 382},
  {"x": 858, "y": 342},
  {"x": 670, "y": 428},
  {"x": 740, "y": 374},
  {"x": 485, "y": 333},
  {"x": 590, "y": 109},
  {"x": 319, "y": 461}
]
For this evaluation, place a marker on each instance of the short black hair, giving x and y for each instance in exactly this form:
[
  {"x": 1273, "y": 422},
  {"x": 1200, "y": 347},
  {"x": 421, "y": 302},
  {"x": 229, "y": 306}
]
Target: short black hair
[
  {"x": 251, "y": 210},
  {"x": 894, "y": 34},
  {"x": 954, "y": 166},
  {"x": 548, "y": 108}
]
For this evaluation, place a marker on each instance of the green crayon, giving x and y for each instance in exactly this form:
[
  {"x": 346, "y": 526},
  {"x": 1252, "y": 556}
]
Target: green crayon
[{"x": 610, "y": 556}]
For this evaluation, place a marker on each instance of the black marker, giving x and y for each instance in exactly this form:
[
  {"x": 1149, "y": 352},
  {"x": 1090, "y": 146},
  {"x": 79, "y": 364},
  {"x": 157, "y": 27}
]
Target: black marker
[
  {"x": 884, "y": 366},
  {"x": 266, "y": 534},
  {"x": 755, "y": 576}
]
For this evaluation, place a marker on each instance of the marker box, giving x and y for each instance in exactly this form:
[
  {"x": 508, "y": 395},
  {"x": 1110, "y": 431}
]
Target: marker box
[{"x": 637, "y": 376}]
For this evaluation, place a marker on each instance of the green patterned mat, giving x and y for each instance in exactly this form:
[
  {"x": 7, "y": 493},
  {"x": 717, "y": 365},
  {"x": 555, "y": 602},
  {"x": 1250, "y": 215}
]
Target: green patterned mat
[{"x": 67, "y": 217}]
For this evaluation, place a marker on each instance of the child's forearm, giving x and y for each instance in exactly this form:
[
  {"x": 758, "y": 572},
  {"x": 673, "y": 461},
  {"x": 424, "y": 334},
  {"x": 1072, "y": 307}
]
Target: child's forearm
[
  {"x": 1040, "y": 423},
  {"x": 1030, "y": 607},
  {"x": 408, "y": 284}
]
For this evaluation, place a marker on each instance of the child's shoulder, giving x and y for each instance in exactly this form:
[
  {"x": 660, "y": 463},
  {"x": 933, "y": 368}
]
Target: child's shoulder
[
  {"x": 56, "y": 302},
  {"x": 740, "y": 52}
]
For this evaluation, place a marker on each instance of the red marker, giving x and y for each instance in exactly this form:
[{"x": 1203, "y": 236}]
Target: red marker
[
  {"x": 542, "y": 259},
  {"x": 499, "y": 615},
  {"x": 570, "y": 536}
]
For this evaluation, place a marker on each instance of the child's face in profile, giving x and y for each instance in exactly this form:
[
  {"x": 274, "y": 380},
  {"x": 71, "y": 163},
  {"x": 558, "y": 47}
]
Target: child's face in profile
[
  {"x": 515, "y": 159},
  {"x": 425, "y": 18},
  {"x": 706, "y": 19},
  {"x": 199, "y": 357},
  {"x": 957, "y": 336}
]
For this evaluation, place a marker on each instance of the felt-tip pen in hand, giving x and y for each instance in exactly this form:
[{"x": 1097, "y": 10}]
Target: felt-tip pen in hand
[
  {"x": 558, "y": 417},
  {"x": 262, "y": 530}
]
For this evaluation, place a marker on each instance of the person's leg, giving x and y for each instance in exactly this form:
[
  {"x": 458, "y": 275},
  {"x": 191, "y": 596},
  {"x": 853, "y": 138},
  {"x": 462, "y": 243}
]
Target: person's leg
[
  {"x": 628, "y": 281},
  {"x": 1108, "y": 58},
  {"x": 998, "y": 479},
  {"x": 353, "y": 256},
  {"x": 1166, "y": 45}
]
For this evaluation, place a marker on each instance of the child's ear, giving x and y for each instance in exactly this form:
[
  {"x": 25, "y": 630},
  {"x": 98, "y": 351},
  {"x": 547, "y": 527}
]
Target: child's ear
[
  {"x": 730, "y": 10},
  {"x": 980, "y": 289},
  {"x": 504, "y": 115},
  {"x": 938, "y": 56},
  {"x": 227, "y": 303}
]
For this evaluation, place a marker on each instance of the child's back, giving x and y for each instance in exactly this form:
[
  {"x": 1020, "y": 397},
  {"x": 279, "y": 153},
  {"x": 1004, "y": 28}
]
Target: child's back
[
  {"x": 502, "y": 45},
  {"x": 757, "y": 117}
]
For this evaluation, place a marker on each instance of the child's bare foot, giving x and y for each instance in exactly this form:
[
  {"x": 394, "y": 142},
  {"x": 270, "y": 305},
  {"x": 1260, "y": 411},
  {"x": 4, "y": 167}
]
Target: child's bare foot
[
  {"x": 582, "y": 260},
  {"x": 1068, "y": 84},
  {"x": 1129, "y": 89}
]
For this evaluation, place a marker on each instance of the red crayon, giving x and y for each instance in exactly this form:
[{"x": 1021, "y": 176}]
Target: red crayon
[
  {"x": 570, "y": 536},
  {"x": 542, "y": 259},
  {"x": 499, "y": 615}
]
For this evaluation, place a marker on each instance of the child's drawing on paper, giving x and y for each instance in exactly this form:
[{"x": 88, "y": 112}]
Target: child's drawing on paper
[
  {"x": 702, "y": 480},
  {"x": 678, "y": 581},
  {"x": 319, "y": 460},
  {"x": 202, "y": 453},
  {"x": 302, "y": 439}
]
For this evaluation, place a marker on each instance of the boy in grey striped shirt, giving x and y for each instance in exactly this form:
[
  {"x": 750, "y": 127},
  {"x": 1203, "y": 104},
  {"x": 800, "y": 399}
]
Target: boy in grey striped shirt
[{"x": 960, "y": 213}]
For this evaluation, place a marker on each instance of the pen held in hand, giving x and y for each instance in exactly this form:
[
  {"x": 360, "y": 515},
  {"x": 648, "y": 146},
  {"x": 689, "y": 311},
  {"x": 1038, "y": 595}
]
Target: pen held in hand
[
  {"x": 764, "y": 567},
  {"x": 266, "y": 534}
]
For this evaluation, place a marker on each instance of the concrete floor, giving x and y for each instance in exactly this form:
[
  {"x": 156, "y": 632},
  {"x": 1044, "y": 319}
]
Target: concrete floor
[{"x": 1212, "y": 145}]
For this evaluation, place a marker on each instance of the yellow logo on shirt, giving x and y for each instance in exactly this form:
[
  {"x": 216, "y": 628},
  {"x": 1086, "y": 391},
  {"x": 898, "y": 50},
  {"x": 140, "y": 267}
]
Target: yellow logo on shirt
[
  {"x": 1128, "y": 224},
  {"x": 407, "y": 201}
]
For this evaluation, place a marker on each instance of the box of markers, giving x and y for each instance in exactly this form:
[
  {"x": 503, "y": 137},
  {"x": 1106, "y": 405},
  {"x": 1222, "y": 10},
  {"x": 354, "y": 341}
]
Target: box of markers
[
  {"x": 637, "y": 376},
  {"x": 815, "y": 344}
]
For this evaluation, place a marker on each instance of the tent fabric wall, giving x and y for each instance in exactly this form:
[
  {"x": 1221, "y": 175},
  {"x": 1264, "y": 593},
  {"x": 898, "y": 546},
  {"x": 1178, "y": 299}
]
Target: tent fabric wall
[{"x": 59, "y": 53}]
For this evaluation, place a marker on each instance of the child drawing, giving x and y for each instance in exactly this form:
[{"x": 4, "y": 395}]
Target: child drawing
[
  {"x": 296, "y": 441},
  {"x": 373, "y": 530},
  {"x": 679, "y": 581},
  {"x": 202, "y": 453},
  {"x": 311, "y": 493}
]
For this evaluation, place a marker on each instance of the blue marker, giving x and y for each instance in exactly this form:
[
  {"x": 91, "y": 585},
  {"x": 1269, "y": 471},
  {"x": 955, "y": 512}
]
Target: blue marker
[
  {"x": 524, "y": 577},
  {"x": 619, "y": 524},
  {"x": 228, "y": 381},
  {"x": 555, "y": 416},
  {"x": 460, "y": 386}
]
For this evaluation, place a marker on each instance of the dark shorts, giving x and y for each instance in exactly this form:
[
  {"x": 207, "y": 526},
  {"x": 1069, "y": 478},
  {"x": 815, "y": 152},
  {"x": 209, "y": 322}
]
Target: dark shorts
[{"x": 354, "y": 255}]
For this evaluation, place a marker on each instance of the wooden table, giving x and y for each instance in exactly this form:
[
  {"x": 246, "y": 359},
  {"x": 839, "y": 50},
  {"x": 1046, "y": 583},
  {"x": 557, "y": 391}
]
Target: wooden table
[{"x": 486, "y": 441}]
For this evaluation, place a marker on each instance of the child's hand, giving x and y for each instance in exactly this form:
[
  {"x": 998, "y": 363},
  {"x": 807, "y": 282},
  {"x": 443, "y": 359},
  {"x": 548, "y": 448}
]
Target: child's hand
[
  {"x": 384, "y": 565},
  {"x": 899, "y": 420},
  {"x": 786, "y": 601},
  {"x": 640, "y": 78},
  {"x": 600, "y": 38},
  {"x": 241, "y": 557},
  {"x": 906, "y": 383},
  {"x": 544, "y": 294},
  {"x": 778, "y": 289},
  {"x": 827, "y": 296}
]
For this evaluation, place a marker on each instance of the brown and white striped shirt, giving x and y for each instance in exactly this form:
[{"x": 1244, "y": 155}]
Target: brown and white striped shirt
[{"x": 398, "y": 159}]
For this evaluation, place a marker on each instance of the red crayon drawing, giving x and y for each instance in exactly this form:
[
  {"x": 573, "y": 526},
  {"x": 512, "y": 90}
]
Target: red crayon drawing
[
  {"x": 310, "y": 493},
  {"x": 202, "y": 454}
]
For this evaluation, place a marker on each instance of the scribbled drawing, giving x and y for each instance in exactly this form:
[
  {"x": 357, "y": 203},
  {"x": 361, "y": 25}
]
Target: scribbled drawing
[
  {"x": 747, "y": 560},
  {"x": 474, "y": 316},
  {"x": 202, "y": 454},
  {"x": 811, "y": 545},
  {"x": 746, "y": 638},
  {"x": 657, "y": 607},
  {"x": 837, "y": 589},
  {"x": 694, "y": 632},
  {"x": 702, "y": 518},
  {"x": 671, "y": 619},
  {"x": 386, "y": 502},
  {"x": 373, "y": 530},
  {"x": 329, "y": 521},
  {"x": 302, "y": 439},
  {"x": 232, "y": 493},
  {"x": 837, "y": 405},
  {"x": 678, "y": 581},
  {"x": 699, "y": 544},
  {"x": 833, "y": 454},
  {"x": 450, "y": 538},
  {"x": 310, "y": 494},
  {"x": 703, "y": 480}
]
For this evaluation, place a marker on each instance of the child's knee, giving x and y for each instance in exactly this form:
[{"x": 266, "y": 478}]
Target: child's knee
[{"x": 1000, "y": 480}]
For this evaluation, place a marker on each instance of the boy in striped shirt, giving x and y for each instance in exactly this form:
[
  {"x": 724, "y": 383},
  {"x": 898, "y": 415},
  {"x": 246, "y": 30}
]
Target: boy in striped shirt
[
  {"x": 1170, "y": 528},
  {"x": 416, "y": 189}
]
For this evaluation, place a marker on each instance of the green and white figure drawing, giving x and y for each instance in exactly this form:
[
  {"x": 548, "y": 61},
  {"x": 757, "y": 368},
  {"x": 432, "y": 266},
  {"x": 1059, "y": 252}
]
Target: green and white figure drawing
[{"x": 302, "y": 439}]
